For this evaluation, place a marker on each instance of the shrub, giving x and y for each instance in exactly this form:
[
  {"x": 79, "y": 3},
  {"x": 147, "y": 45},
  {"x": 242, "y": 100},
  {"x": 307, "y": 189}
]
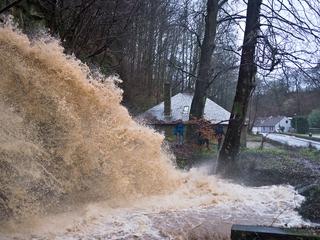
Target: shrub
[
  {"x": 314, "y": 118},
  {"x": 300, "y": 124}
]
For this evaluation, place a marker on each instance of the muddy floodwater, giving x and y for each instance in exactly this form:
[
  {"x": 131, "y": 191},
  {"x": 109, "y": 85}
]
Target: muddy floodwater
[{"x": 209, "y": 209}]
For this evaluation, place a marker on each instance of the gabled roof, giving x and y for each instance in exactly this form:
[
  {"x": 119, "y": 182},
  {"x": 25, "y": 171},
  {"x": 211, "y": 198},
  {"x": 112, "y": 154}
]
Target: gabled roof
[
  {"x": 268, "y": 121},
  {"x": 180, "y": 108}
]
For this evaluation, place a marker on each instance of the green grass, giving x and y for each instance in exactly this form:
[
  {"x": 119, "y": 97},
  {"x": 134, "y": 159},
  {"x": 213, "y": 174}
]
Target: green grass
[
  {"x": 270, "y": 151},
  {"x": 171, "y": 139},
  {"x": 310, "y": 153},
  {"x": 254, "y": 138}
]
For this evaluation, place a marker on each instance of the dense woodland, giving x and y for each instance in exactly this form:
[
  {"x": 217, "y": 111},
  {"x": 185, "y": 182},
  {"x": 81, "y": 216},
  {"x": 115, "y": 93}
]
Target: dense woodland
[
  {"x": 150, "y": 42},
  {"x": 146, "y": 42}
]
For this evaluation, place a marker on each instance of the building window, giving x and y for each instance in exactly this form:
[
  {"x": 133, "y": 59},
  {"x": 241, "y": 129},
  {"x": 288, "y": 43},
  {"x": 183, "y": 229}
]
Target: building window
[{"x": 185, "y": 110}]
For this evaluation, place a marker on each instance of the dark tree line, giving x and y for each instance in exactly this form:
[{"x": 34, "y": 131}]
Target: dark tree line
[{"x": 146, "y": 42}]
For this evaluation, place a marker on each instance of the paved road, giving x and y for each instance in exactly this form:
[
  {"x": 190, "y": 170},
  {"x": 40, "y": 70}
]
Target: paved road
[{"x": 293, "y": 141}]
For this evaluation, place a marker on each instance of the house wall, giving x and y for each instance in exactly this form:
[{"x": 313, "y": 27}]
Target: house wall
[
  {"x": 268, "y": 129},
  {"x": 285, "y": 122},
  {"x": 256, "y": 130}
]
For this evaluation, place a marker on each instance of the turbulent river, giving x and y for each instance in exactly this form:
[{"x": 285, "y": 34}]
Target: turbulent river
[{"x": 74, "y": 165}]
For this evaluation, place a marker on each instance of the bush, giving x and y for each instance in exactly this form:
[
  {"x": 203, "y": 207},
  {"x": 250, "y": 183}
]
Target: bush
[
  {"x": 300, "y": 124},
  {"x": 314, "y": 118}
]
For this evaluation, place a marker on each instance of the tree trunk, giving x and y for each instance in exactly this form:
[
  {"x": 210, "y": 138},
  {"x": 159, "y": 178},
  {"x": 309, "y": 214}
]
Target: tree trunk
[
  {"x": 207, "y": 47},
  {"x": 30, "y": 15},
  {"x": 246, "y": 83}
]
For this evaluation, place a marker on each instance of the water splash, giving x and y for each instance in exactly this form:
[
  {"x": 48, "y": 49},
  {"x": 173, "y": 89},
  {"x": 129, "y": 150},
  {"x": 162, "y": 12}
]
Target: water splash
[
  {"x": 64, "y": 132},
  {"x": 65, "y": 140},
  {"x": 202, "y": 208}
]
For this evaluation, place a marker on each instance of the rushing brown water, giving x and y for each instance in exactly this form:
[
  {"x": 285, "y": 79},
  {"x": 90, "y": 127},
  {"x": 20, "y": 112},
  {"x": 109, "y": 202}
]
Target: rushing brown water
[
  {"x": 63, "y": 131},
  {"x": 65, "y": 140}
]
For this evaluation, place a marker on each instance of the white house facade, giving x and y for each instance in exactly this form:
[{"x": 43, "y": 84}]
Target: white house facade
[
  {"x": 272, "y": 124},
  {"x": 284, "y": 124}
]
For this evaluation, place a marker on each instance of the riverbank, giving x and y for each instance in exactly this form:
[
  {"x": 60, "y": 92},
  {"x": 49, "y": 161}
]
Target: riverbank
[
  {"x": 299, "y": 168},
  {"x": 273, "y": 165}
]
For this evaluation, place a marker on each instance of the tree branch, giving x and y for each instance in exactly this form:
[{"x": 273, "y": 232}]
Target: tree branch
[{"x": 10, "y": 6}]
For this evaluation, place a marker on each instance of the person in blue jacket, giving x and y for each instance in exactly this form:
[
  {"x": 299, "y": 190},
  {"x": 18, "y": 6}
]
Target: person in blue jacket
[
  {"x": 219, "y": 134},
  {"x": 179, "y": 132}
]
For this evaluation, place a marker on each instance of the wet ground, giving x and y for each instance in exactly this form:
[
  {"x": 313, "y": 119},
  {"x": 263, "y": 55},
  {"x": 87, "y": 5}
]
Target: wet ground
[
  {"x": 205, "y": 212},
  {"x": 273, "y": 165}
]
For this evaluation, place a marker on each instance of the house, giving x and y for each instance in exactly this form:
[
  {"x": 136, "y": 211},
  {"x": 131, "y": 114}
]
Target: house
[
  {"x": 180, "y": 109},
  {"x": 271, "y": 124},
  {"x": 164, "y": 115}
]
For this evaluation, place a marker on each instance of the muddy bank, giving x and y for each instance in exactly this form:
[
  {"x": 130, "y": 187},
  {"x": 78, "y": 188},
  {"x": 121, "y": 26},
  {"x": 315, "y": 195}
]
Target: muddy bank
[
  {"x": 273, "y": 165},
  {"x": 297, "y": 167}
]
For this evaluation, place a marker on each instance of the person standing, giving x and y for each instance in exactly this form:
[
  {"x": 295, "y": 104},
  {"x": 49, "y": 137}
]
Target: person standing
[
  {"x": 179, "y": 132},
  {"x": 219, "y": 134}
]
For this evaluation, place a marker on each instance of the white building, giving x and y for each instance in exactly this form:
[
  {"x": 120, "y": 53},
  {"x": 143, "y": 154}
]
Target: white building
[
  {"x": 272, "y": 124},
  {"x": 180, "y": 107}
]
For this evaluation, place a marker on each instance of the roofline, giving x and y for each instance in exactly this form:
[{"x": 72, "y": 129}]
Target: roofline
[
  {"x": 162, "y": 102},
  {"x": 282, "y": 117}
]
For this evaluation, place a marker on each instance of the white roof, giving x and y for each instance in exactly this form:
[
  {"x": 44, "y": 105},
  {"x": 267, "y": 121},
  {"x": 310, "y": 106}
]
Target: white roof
[{"x": 180, "y": 108}]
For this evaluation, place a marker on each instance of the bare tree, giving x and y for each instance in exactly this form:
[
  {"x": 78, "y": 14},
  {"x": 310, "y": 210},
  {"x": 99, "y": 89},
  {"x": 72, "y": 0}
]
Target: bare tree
[
  {"x": 278, "y": 40},
  {"x": 246, "y": 83},
  {"x": 206, "y": 51}
]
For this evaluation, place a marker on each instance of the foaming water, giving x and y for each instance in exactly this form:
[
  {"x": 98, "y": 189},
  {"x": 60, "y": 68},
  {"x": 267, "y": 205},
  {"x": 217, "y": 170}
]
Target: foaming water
[
  {"x": 204, "y": 206},
  {"x": 65, "y": 140},
  {"x": 64, "y": 132}
]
